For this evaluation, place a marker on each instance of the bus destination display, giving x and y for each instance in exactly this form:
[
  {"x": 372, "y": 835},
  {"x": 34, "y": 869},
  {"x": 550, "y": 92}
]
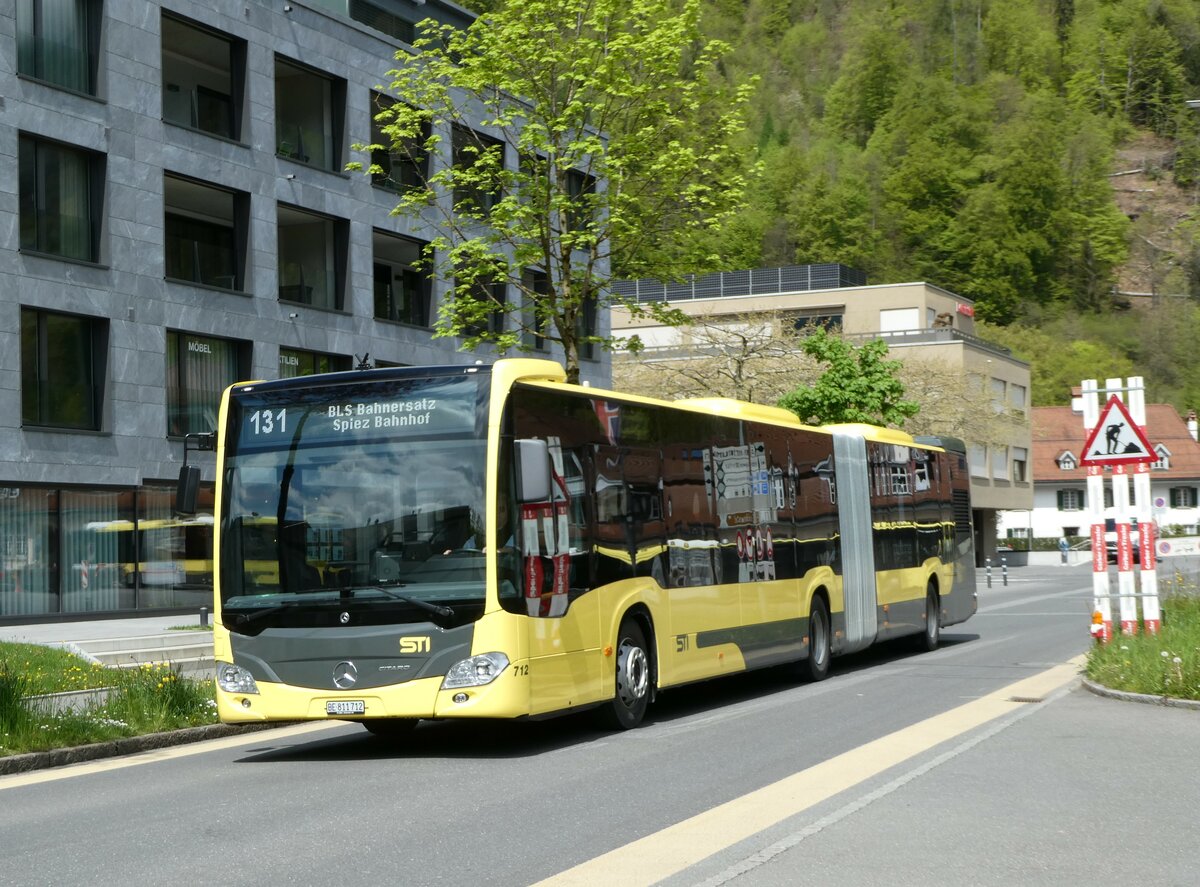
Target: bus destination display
[{"x": 360, "y": 411}]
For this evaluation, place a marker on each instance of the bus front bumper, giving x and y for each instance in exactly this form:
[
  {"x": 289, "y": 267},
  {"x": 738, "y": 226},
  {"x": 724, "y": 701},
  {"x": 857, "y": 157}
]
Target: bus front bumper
[{"x": 505, "y": 697}]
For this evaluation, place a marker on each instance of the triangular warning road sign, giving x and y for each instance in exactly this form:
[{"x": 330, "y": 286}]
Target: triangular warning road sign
[{"x": 1117, "y": 439}]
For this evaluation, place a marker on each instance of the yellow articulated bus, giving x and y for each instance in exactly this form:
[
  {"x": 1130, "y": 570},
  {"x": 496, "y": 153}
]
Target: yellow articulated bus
[{"x": 492, "y": 542}]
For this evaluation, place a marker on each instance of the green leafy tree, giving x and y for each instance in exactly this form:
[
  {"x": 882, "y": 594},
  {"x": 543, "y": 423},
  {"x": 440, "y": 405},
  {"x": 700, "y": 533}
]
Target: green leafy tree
[
  {"x": 858, "y": 384},
  {"x": 579, "y": 140}
]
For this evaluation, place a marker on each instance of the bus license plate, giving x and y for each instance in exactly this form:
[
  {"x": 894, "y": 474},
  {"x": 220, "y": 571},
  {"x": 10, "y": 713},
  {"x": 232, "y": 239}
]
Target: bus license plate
[{"x": 346, "y": 707}]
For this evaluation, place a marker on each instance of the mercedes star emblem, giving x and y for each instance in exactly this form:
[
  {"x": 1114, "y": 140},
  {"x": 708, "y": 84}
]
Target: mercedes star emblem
[{"x": 345, "y": 675}]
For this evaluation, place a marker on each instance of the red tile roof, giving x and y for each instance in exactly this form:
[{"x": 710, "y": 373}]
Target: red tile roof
[{"x": 1059, "y": 429}]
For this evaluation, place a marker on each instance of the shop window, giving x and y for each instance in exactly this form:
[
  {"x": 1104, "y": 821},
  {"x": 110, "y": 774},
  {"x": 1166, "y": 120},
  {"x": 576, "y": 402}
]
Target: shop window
[
  {"x": 61, "y": 193},
  {"x": 199, "y": 369},
  {"x": 28, "y": 559},
  {"x": 294, "y": 362},
  {"x": 58, "y": 42},
  {"x": 63, "y": 358}
]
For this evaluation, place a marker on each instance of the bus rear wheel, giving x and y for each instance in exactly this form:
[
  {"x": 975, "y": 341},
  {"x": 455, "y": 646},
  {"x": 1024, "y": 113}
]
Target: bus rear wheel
[
  {"x": 820, "y": 650},
  {"x": 929, "y": 639},
  {"x": 390, "y": 728},
  {"x": 632, "y": 696}
]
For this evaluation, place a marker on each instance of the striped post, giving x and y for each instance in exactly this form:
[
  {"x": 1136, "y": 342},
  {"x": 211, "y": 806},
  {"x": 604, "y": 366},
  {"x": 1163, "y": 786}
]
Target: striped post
[{"x": 1101, "y": 625}]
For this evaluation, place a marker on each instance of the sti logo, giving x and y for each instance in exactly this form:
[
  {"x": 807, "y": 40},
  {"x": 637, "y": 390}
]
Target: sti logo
[{"x": 414, "y": 645}]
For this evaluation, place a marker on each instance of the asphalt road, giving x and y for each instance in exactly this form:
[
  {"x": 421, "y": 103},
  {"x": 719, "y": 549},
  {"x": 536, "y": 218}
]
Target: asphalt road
[{"x": 982, "y": 763}]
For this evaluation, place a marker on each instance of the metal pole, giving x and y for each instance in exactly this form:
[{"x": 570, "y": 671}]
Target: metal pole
[
  {"x": 204, "y": 617},
  {"x": 1004, "y": 570},
  {"x": 987, "y": 561}
]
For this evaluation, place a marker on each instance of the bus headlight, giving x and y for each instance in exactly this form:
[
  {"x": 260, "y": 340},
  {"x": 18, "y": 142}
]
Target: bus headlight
[
  {"x": 476, "y": 671},
  {"x": 235, "y": 679}
]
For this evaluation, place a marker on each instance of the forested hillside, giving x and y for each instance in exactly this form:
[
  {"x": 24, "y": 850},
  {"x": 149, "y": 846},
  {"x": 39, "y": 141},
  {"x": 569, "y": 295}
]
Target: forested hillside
[{"x": 1036, "y": 156}]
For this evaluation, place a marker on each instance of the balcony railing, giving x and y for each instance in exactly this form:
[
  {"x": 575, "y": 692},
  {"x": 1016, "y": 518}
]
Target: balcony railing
[{"x": 756, "y": 282}]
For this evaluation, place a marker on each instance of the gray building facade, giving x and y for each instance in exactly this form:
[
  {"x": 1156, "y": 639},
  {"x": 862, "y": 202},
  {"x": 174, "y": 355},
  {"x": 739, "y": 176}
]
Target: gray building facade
[{"x": 175, "y": 216}]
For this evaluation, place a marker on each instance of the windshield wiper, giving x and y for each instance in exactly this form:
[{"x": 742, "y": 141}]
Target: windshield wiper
[
  {"x": 435, "y": 609},
  {"x": 246, "y": 619}
]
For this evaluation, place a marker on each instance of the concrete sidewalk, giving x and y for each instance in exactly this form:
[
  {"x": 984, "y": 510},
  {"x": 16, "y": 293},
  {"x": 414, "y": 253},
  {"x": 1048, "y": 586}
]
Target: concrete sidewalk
[{"x": 125, "y": 642}]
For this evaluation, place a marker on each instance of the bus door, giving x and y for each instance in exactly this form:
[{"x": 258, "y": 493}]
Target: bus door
[
  {"x": 770, "y": 608},
  {"x": 564, "y": 633},
  {"x": 895, "y": 531}
]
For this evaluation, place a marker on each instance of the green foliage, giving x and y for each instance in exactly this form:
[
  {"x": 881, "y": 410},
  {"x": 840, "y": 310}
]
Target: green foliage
[
  {"x": 609, "y": 147},
  {"x": 1163, "y": 664},
  {"x": 148, "y": 699},
  {"x": 966, "y": 144},
  {"x": 858, "y": 385}
]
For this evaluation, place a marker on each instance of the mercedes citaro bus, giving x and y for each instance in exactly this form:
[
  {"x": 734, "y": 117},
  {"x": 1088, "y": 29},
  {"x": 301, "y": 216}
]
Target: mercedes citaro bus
[{"x": 493, "y": 542}]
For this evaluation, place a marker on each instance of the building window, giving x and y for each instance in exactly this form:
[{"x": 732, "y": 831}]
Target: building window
[
  {"x": 977, "y": 460},
  {"x": 1183, "y": 497},
  {"x": 536, "y": 285},
  {"x": 401, "y": 291},
  {"x": 494, "y": 295},
  {"x": 808, "y": 323},
  {"x": 1070, "y": 500},
  {"x": 1020, "y": 464},
  {"x": 586, "y": 325},
  {"x": 484, "y": 157},
  {"x": 88, "y": 550},
  {"x": 374, "y": 17},
  {"x": 999, "y": 395},
  {"x": 401, "y": 166},
  {"x": 58, "y": 42},
  {"x": 294, "y": 362},
  {"x": 1067, "y": 462},
  {"x": 312, "y": 258},
  {"x": 999, "y": 462},
  {"x": 199, "y": 369},
  {"x": 61, "y": 195},
  {"x": 205, "y": 233},
  {"x": 63, "y": 359},
  {"x": 896, "y": 320},
  {"x": 309, "y": 116},
  {"x": 581, "y": 189},
  {"x": 202, "y": 74},
  {"x": 1163, "y": 462},
  {"x": 1017, "y": 398}
]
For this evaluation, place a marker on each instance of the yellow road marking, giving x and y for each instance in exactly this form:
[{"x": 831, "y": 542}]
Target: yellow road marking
[
  {"x": 263, "y": 737},
  {"x": 677, "y": 847}
]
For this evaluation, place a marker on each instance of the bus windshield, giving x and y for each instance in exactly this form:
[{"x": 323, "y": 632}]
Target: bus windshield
[{"x": 364, "y": 497}]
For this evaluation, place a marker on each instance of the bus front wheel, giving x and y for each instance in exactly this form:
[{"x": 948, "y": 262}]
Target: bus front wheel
[{"x": 632, "y": 696}]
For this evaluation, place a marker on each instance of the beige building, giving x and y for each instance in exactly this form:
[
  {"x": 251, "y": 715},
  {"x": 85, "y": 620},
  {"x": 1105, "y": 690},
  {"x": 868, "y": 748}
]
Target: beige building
[{"x": 920, "y": 322}]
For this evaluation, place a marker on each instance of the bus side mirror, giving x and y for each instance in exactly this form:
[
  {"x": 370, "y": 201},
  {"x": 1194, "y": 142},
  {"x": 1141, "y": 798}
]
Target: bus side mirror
[
  {"x": 188, "y": 489},
  {"x": 532, "y": 460}
]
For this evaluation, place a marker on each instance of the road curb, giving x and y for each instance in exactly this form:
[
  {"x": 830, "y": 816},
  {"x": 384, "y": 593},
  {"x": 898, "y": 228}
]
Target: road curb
[
  {"x": 1170, "y": 701},
  {"x": 61, "y": 757}
]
